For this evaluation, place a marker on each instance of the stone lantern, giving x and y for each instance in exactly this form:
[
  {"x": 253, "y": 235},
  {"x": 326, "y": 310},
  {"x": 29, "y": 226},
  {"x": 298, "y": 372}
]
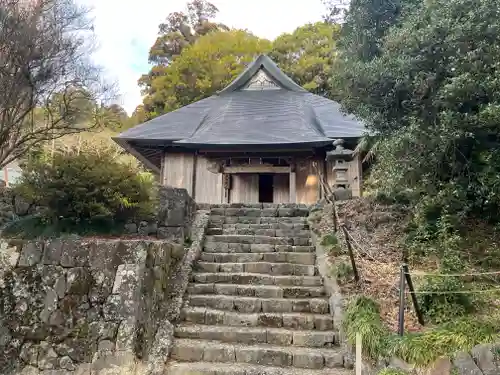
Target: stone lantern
[{"x": 340, "y": 158}]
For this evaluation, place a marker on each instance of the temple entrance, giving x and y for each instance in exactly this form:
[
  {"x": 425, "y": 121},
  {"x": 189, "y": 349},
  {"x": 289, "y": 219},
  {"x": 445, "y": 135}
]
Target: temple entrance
[{"x": 266, "y": 188}]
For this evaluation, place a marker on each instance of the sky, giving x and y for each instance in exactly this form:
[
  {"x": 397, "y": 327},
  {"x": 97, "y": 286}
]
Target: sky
[{"x": 125, "y": 30}]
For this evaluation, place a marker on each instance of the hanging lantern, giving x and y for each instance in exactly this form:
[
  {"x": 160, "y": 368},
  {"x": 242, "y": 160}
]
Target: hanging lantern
[{"x": 312, "y": 180}]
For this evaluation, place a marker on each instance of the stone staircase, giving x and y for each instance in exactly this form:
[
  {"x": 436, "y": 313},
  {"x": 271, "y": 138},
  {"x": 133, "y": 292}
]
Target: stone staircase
[{"x": 256, "y": 305}]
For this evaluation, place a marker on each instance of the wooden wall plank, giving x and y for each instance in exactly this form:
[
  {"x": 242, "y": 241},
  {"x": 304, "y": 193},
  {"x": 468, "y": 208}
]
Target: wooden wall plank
[
  {"x": 178, "y": 171},
  {"x": 257, "y": 169},
  {"x": 356, "y": 176},
  {"x": 208, "y": 185},
  {"x": 245, "y": 188},
  {"x": 281, "y": 188},
  {"x": 307, "y": 190}
]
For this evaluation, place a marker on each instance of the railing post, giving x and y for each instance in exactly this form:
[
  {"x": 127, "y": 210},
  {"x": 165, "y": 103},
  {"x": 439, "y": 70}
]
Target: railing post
[
  {"x": 351, "y": 254},
  {"x": 420, "y": 316},
  {"x": 334, "y": 213},
  {"x": 401, "y": 317}
]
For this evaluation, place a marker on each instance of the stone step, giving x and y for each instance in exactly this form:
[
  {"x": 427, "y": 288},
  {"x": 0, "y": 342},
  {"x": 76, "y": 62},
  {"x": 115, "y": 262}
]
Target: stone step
[
  {"x": 303, "y": 225},
  {"x": 259, "y": 291},
  {"x": 258, "y": 335},
  {"x": 257, "y": 305},
  {"x": 251, "y": 240},
  {"x": 219, "y": 220},
  {"x": 257, "y": 205},
  {"x": 301, "y": 233},
  {"x": 264, "y": 355},
  {"x": 226, "y": 247},
  {"x": 255, "y": 278},
  {"x": 214, "y": 368},
  {"x": 269, "y": 211},
  {"x": 259, "y": 267},
  {"x": 298, "y": 321},
  {"x": 280, "y": 257}
]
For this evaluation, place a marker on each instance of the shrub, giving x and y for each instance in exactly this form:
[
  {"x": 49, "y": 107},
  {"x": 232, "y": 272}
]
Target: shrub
[
  {"x": 439, "y": 306},
  {"x": 391, "y": 371},
  {"x": 329, "y": 240},
  {"x": 86, "y": 189},
  {"x": 424, "y": 348},
  {"x": 363, "y": 316},
  {"x": 343, "y": 272}
]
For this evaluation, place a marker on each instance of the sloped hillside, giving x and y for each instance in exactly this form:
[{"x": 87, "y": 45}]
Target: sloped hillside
[{"x": 459, "y": 311}]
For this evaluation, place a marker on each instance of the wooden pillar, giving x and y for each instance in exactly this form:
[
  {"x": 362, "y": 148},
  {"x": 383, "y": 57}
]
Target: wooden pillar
[
  {"x": 162, "y": 169},
  {"x": 293, "y": 184},
  {"x": 193, "y": 180},
  {"x": 226, "y": 187}
]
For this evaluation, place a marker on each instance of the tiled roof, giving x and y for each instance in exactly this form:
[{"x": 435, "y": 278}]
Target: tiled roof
[{"x": 285, "y": 114}]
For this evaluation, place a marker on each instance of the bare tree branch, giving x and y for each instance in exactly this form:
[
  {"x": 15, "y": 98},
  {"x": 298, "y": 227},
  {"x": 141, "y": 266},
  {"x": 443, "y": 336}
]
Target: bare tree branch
[{"x": 49, "y": 87}]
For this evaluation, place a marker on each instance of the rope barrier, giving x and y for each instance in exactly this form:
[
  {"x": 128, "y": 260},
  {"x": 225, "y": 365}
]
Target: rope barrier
[
  {"x": 453, "y": 274},
  {"x": 358, "y": 245},
  {"x": 457, "y": 291}
]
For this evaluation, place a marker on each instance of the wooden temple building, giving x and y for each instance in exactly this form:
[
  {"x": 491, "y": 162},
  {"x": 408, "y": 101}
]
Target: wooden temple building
[{"x": 263, "y": 138}]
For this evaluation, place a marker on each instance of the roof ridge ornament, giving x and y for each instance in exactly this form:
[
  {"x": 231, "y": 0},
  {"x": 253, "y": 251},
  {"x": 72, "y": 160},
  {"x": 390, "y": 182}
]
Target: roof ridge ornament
[
  {"x": 263, "y": 62},
  {"x": 261, "y": 81}
]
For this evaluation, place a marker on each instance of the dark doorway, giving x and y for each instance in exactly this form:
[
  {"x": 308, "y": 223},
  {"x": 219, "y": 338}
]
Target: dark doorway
[{"x": 266, "y": 188}]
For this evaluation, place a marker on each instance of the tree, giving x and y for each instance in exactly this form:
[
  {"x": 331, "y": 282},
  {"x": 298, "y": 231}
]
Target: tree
[
  {"x": 48, "y": 86},
  {"x": 361, "y": 40},
  {"x": 366, "y": 23},
  {"x": 183, "y": 29},
  {"x": 138, "y": 116},
  {"x": 180, "y": 30},
  {"x": 307, "y": 55},
  {"x": 116, "y": 118},
  {"x": 202, "y": 69},
  {"x": 432, "y": 94},
  {"x": 335, "y": 10}
]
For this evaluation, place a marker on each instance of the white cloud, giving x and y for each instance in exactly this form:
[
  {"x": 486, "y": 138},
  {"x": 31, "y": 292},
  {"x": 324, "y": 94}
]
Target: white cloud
[{"x": 126, "y": 30}]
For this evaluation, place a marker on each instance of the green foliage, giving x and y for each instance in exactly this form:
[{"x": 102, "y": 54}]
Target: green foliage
[
  {"x": 362, "y": 316},
  {"x": 190, "y": 67},
  {"x": 35, "y": 227},
  {"x": 329, "y": 240},
  {"x": 343, "y": 272},
  {"x": 307, "y": 56},
  {"x": 383, "y": 196},
  {"x": 443, "y": 302},
  {"x": 391, "y": 371},
  {"x": 366, "y": 22},
  {"x": 430, "y": 92},
  {"x": 87, "y": 188},
  {"x": 335, "y": 251},
  {"x": 424, "y": 348},
  {"x": 202, "y": 69},
  {"x": 182, "y": 29}
]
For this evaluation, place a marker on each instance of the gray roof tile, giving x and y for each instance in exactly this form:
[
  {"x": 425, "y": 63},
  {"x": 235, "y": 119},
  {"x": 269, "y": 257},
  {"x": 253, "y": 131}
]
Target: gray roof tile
[{"x": 289, "y": 115}]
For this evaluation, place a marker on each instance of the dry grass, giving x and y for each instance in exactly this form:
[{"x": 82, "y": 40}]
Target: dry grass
[{"x": 377, "y": 232}]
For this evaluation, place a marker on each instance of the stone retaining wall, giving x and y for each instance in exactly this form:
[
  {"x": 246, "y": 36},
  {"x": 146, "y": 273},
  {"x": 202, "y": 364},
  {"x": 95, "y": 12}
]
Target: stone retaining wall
[
  {"x": 173, "y": 220},
  {"x": 12, "y": 206},
  {"x": 76, "y": 305},
  {"x": 325, "y": 267}
]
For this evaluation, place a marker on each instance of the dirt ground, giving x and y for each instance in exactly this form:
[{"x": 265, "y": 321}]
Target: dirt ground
[{"x": 376, "y": 231}]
